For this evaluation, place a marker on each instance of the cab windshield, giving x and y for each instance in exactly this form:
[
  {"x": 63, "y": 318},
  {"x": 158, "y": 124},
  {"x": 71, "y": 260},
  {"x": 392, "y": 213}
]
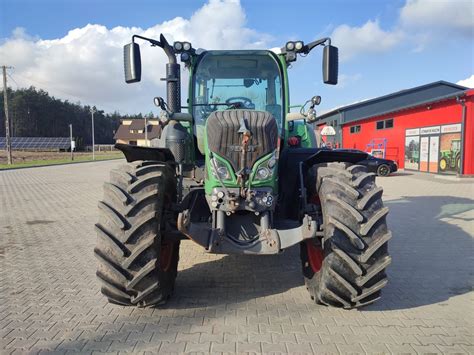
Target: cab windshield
[{"x": 236, "y": 80}]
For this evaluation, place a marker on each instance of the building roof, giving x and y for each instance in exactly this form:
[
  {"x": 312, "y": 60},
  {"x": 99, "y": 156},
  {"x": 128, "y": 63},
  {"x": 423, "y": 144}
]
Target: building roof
[
  {"x": 123, "y": 132},
  {"x": 394, "y": 102},
  {"x": 139, "y": 123}
]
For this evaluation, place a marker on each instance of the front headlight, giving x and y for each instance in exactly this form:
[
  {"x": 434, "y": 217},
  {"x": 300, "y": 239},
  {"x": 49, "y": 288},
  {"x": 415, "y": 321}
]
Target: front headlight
[
  {"x": 266, "y": 168},
  {"x": 263, "y": 173},
  {"x": 219, "y": 170}
]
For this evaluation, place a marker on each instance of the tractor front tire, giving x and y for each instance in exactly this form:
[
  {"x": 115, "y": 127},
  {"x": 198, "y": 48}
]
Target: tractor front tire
[
  {"x": 443, "y": 164},
  {"x": 136, "y": 266},
  {"x": 346, "y": 268}
]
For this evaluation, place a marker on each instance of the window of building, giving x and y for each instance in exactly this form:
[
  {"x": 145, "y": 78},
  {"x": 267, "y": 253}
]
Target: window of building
[
  {"x": 385, "y": 124},
  {"x": 355, "y": 129}
]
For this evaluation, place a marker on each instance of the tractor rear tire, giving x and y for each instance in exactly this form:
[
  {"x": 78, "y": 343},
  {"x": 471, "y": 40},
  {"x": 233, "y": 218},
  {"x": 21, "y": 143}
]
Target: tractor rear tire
[
  {"x": 458, "y": 163},
  {"x": 347, "y": 267},
  {"x": 136, "y": 266}
]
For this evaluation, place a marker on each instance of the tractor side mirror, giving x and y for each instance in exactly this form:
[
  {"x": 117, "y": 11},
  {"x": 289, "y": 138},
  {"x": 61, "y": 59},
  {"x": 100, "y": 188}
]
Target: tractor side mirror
[
  {"x": 330, "y": 64},
  {"x": 132, "y": 63}
]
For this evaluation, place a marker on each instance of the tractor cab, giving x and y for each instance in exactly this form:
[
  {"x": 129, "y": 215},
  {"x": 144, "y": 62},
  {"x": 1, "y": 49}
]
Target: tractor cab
[{"x": 229, "y": 80}]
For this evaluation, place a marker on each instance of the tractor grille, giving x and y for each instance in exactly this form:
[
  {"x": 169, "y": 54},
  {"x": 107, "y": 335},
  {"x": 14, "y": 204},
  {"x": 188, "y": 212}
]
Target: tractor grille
[{"x": 223, "y": 137}]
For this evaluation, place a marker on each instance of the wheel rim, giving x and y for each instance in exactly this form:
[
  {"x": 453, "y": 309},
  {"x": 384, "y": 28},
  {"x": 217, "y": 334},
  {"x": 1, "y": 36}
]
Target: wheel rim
[
  {"x": 166, "y": 254},
  {"x": 442, "y": 164},
  {"x": 315, "y": 256},
  {"x": 383, "y": 170}
]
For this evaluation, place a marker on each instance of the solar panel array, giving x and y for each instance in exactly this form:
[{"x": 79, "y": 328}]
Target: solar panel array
[{"x": 37, "y": 142}]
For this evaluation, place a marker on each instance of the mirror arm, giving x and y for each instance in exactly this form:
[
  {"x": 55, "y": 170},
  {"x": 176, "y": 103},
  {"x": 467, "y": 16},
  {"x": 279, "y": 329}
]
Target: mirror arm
[
  {"x": 162, "y": 43},
  {"x": 307, "y": 48},
  {"x": 154, "y": 42}
]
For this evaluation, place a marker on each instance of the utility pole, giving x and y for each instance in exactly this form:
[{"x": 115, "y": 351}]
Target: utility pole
[
  {"x": 8, "y": 142},
  {"x": 72, "y": 148},
  {"x": 146, "y": 133},
  {"x": 93, "y": 110}
]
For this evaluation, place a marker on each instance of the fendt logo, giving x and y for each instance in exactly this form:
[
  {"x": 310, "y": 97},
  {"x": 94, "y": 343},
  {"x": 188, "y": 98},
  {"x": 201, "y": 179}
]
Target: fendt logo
[{"x": 238, "y": 148}]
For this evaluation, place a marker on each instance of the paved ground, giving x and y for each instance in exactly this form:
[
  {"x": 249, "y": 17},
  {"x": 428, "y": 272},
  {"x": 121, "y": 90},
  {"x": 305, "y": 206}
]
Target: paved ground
[{"x": 50, "y": 300}]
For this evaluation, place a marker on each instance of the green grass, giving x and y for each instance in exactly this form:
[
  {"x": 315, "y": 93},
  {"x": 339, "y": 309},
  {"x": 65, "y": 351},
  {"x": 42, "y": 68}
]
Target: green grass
[{"x": 77, "y": 159}]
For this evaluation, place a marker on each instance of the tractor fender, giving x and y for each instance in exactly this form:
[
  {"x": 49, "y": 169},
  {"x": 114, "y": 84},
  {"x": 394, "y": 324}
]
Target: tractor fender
[
  {"x": 133, "y": 153},
  {"x": 294, "y": 167}
]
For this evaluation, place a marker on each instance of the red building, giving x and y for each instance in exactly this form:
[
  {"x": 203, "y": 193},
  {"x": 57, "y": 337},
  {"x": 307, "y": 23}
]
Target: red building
[{"x": 429, "y": 128}]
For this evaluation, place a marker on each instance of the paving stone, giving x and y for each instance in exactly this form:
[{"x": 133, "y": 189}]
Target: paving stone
[
  {"x": 233, "y": 338},
  {"x": 249, "y": 347},
  {"x": 210, "y": 337},
  {"x": 21, "y": 344},
  {"x": 324, "y": 349},
  {"x": 375, "y": 348},
  {"x": 172, "y": 347},
  {"x": 451, "y": 349},
  {"x": 147, "y": 347},
  {"x": 304, "y": 348},
  {"x": 227, "y": 347},
  {"x": 77, "y": 345},
  {"x": 45, "y": 345},
  {"x": 308, "y": 338},
  {"x": 140, "y": 337},
  {"x": 122, "y": 346},
  {"x": 198, "y": 348},
  {"x": 427, "y": 340},
  {"x": 332, "y": 339},
  {"x": 97, "y": 345},
  {"x": 284, "y": 338},
  {"x": 426, "y": 349},
  {"x": 401, "y": 349},
  {"x": 350, "y": 349},
  {"x": 457, "y": 339},
  {"x": 274, "y": 348}
]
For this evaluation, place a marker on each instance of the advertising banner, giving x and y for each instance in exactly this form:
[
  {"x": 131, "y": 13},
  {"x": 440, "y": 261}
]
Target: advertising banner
[
  {"x": 424, "y": 149},
  {"x": 450, "y": 153},
  {"x": 430, "y": 130},
  {"x": 434, "y": 149},
  {"x": 412, "y": 152}
]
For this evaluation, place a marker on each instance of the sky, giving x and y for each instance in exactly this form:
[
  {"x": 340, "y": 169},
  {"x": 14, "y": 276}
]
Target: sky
[{"x": 73, "y": 49}]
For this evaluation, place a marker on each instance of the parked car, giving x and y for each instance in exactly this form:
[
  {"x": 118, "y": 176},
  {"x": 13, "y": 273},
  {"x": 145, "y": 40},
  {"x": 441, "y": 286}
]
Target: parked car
[{"x": 380, "y": 166}]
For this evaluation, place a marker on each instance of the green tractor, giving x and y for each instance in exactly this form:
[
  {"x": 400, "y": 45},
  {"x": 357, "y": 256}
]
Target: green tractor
[
  {"x": 239, "y": 174},
  {"x": 451, "y": 159}
]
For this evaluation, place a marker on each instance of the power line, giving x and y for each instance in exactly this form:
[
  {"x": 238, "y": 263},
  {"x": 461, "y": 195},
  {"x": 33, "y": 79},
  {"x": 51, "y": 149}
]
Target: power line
[{"x": 11, "y": 77}]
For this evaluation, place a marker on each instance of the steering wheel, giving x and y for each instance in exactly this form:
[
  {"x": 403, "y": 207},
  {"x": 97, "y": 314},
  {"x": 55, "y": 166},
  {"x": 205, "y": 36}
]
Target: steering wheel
[{"x": 245, "y": 101}]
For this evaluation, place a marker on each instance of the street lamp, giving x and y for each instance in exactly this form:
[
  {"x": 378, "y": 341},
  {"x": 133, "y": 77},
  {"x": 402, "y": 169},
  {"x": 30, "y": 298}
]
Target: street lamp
[{"x": 93, "y": 110}]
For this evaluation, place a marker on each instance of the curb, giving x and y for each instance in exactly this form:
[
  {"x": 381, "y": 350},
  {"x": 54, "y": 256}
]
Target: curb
[{"x": 59, "y": 164}]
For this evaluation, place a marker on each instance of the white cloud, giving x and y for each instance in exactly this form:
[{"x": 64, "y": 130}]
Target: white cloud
[
  {"x": 368, "y": 38},
  {"x": 86, "y": 64},
  {"x": 468, "y": 82},
  {"x": 346, "y": 80},
  {"x": 439, "y": 16},
  {"x": 420, "y": 23}
]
